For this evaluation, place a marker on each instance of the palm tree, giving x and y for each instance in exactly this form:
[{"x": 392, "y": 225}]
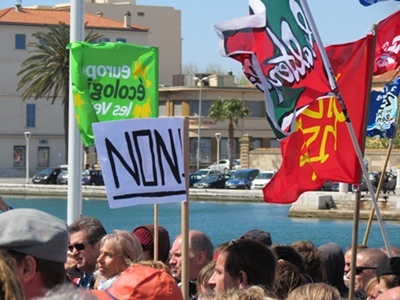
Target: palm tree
[
  {"x": 231, "y": 110},
  {"x": 46, "y": 73}
]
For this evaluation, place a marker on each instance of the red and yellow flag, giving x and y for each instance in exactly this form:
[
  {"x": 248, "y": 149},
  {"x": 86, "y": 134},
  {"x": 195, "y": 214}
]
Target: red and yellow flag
[{"x": 321, "y": 149}]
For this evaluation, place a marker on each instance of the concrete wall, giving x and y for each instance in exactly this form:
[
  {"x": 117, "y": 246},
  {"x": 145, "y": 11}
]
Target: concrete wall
[{"x": 270, "y": 158}]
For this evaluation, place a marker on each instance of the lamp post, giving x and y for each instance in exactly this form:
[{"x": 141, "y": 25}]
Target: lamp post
[
  {"x": 218, "y": 137},
  {"x": 27, "y": 137},
  {"x": 199, "y": 121}
]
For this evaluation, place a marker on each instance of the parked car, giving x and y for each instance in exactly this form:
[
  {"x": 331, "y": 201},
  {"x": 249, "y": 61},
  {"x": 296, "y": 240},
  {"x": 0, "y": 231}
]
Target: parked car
[
  {"x": 363, "y": 186},
  {"x": 327, "y": 186},
  {"x": 222, "y": 165},
  {"x": 389, "y": 181},
  {"x": 92, "y": 177},
  {"x": 236, "y": 164},
  {"x": 262, "y": 179},
  {"x": 242, "y": 179},
  {"x": 193, "y": 178},
  {"x": 62, "y": 178},
  {"x": 47, "y": 176},
  {"x": 214, "y": 181},
  {"x": 205, "y": 172}
]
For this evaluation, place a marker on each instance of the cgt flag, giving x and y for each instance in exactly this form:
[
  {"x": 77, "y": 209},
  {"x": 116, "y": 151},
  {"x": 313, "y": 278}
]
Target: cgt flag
[
  {"x": 320, "y": 148},
  {"x": 112, "y": 81},
  {"x": 387, "y": 53},
  {"x": 279, "y": 55},
  {"x": 383, "y": 111},
  {"x": 370, "y": 2}
]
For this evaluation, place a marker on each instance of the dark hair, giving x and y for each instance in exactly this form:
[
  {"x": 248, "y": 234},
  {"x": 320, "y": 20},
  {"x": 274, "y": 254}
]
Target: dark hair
[
  {"x": 288, "y": 253},
  {"x": 252, "y": 257},
  {"x": 51, "y": 272},
  {"x": 93, "y": 227},
  {"x": 312, "y": 259},
  {"x": 287, "y": 278}
]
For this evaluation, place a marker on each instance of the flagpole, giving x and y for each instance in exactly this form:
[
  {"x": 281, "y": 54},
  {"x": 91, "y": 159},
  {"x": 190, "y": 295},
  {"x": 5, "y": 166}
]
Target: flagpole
[
  {"x": 74, "y": 197},
  {"x": 350, "y": 128}
]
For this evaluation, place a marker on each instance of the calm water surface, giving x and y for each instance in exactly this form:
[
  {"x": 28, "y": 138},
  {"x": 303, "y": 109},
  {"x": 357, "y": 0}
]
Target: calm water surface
[{"x": 222, "y": 221}]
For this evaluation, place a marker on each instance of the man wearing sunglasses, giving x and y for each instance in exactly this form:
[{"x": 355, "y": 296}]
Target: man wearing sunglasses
[
  {"x": 85, "y": 234},
  {"x": 367, "y": 261}
]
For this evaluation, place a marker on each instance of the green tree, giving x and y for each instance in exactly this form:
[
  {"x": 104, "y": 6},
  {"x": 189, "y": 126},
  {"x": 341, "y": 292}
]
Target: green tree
[
  {"x": 231, "y": 110},
  {"x": 45, "y": 74}
]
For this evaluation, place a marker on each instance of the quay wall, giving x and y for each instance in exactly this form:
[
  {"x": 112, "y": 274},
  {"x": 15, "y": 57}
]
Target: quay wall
[{"x": 319, "y": 204}]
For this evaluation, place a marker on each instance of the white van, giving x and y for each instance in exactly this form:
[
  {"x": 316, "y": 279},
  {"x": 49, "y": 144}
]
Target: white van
[{"x": 262, "y": 179}]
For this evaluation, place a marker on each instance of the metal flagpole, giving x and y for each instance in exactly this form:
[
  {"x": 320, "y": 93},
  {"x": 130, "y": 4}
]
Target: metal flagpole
[
  {"x": 357, "y": 149},
  {"x": 74, "y": 203}
]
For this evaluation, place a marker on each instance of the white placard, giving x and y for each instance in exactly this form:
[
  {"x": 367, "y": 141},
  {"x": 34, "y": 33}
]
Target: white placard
[{"x": 142, "y": 160}]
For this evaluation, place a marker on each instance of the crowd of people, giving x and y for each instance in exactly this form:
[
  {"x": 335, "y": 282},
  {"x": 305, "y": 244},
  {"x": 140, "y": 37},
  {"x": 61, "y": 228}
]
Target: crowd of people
[{"x": 41, "y": 257}]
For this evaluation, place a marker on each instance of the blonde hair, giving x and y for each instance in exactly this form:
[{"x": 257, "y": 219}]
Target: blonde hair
[
  {"x": 253, "y": 292},
  {"x": 124, "y": 244},
  {"x": 10, "y": 287},
  {"x": 314, "y": 291},
  {"x": 158, "y": 265}
]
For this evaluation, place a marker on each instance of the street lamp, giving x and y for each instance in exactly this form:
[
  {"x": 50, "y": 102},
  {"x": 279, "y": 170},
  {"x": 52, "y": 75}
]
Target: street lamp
[
  {"x": 199, "y": 121},
  {"x": 27, "y": 137},
  {"x": 218, "y": 137}
]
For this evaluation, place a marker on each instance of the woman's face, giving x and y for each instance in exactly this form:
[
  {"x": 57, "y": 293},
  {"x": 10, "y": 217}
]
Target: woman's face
[{"x": 109, "y": 263}]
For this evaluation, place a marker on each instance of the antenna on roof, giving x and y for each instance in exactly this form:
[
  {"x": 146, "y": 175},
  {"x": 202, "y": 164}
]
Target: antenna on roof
[{"x": 18, "y": 5}]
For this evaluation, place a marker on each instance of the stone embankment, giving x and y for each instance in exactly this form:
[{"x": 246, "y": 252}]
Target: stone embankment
[{"x": 333, "y": 205}]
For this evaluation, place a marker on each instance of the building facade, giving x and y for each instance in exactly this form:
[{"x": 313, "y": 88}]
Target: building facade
[{"x": 43, "y": 120}]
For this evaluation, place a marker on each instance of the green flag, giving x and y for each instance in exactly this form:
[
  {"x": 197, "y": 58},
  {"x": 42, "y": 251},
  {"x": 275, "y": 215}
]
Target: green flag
[{"x": 112, "y": 81}]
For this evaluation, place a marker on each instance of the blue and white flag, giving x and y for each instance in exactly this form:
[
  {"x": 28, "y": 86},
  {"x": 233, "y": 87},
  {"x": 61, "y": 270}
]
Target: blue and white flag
[
  {"x": 383, "y": 111},
  {"x": 370, "y": 2}
]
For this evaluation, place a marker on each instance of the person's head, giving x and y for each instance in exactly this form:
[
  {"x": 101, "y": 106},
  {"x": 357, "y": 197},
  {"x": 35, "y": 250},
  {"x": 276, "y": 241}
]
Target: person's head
[
  {"x": 391, "y": 294},
  {"x": 287, "y": 278},
  {"x": 312, "y": 259},
  {"x": 388, "y": 273},
  {"x": 118, "y": 250},
  {"x": 314, "y": 291},
  {"x": 372, "y": 289},
  {"x": 289, "y": 254},
  {"x": 242, "y": 263},
  {"x": 203, "y": 287},
  {"x": 142, "y": 282},
  {"x": 252, "y": 292},
  {"x": 10, "y": 288},
  {"x": 85, "y": 235},
  {"x": 348, "y": 254},
  {"x": 201, "y": 252},
  {"x": 395, "y": 251},
  {"x": 258, "y": 235},
  {"x": 38, "y": 242},
  {"x": 333, "y": 263},
  {"x": 145, "y": 234},
  {"x": 367, "y": 261}
]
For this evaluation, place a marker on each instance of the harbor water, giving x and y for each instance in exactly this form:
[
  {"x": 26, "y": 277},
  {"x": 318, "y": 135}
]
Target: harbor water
[{"x": 222, "y": 221}]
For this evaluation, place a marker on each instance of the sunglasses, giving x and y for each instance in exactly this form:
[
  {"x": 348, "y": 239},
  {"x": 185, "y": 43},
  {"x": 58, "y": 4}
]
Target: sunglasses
[
  {"x": 78, "y": 247},
  {"x": 359, "y": 270}
]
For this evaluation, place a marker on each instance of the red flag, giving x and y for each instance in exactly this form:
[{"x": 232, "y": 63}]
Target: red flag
[
  {"x": 321, "y": 148},
  {"x": 387, "y": 53}
]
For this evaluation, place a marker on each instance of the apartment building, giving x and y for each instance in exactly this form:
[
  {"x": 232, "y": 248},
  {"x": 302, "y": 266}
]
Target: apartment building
[{"x": 43, "y": 120}]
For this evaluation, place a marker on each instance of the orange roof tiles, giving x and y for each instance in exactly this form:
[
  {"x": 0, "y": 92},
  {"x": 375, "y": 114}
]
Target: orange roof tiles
[{"x": 41, "y": 17}]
